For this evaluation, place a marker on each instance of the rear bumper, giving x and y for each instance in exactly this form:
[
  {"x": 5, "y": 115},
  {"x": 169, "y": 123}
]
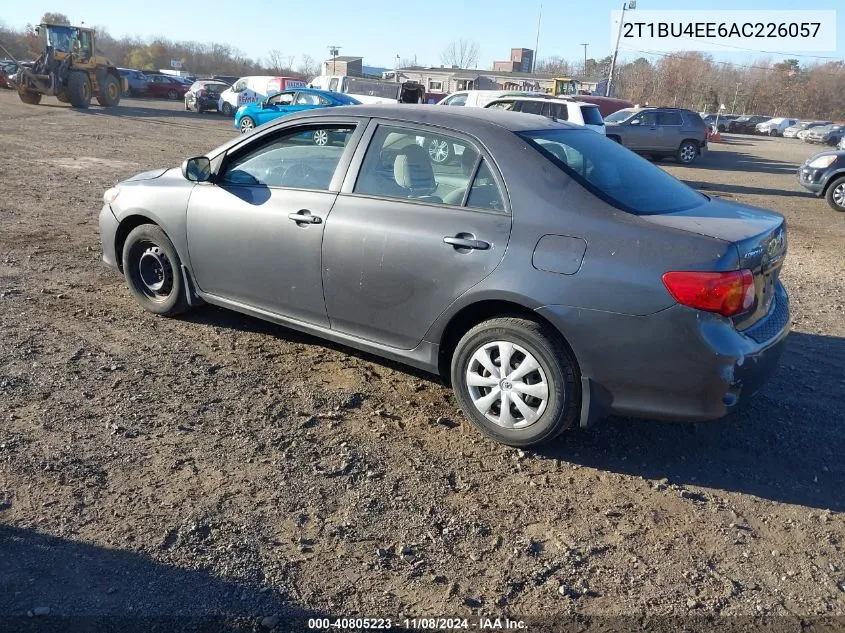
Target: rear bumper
[
  {"x": 108, "y": 233},
  {"x": 678, "y": 364}
]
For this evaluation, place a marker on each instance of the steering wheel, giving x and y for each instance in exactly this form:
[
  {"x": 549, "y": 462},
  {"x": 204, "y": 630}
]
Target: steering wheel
[{"x": 299, "y": 175}]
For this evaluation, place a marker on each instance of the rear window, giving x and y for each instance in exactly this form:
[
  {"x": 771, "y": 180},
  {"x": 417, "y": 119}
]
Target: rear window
[
  {"x": 613, "y": 173},
  {"x": 591, "y": 115}
]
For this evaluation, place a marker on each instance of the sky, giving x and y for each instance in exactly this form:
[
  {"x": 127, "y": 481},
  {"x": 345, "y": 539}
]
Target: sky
[{"x": 379, "y": 30}]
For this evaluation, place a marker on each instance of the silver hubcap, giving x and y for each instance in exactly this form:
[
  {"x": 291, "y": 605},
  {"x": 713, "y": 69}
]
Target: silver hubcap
[
  {"x": 246, "y": 125},
  {"x": 839, "y": 195},
  {"x": 156, "y": 273},
  {"x": 438, "y": 150},
  {"x": 687, "y": 153},
  {"x": 507, "y": 385},
  {"x": 321, "y": 137}
]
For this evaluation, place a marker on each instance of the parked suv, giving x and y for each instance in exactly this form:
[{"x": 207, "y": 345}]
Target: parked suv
[
  {"x": 720, "y": 122},
  {"x": 746, "y": 124},
  {"x": 774, "y": 127},
  {"x": 659, "y": 132},
  {"x": 136, "y": 80},
  {"x": 826, "y": 134},
  {"x": 795, "y": 131},
  {"x": 586, "y": 114}
]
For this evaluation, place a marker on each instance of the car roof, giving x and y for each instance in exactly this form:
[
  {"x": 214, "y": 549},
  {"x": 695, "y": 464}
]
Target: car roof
[
  {"x": 471, "y": 120},
  {"x": 541, "y": 100}
]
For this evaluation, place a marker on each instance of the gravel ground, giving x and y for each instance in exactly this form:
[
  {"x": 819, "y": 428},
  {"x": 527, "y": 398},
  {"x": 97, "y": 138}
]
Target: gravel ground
[{"x": 219, "y": 465}]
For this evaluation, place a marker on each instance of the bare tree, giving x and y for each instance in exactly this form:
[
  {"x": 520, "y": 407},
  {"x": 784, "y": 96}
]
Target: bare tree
[
  {"x": 308, "y": 67},
  {"x": 279, "y": 63},
  {"x": 463, "y": 54},
  {"x": 54, "y": 18}
]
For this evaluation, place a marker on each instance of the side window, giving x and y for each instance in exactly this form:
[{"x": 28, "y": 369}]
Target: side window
[
  {"x": 532, "y": 107},
  {"x": 283, "y": 98},
  {"x": 415, "y": 165},
  {"x": 485, "y": 193},
  {"x": 502, "y": 105},
  {"x": 306, "y": 98},
  {"x": 333, "y": 85},
  {"x": 668, "y": 118},
  {"x": 302, "y": 158},
  {"x": 648, "y": 118},
  {"x": 239, "y": 86},
  {"x": 560, "y": 111}
]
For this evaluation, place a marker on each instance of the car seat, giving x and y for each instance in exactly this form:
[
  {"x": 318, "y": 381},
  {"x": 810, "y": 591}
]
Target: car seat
[{"x": 413, "y": 173}]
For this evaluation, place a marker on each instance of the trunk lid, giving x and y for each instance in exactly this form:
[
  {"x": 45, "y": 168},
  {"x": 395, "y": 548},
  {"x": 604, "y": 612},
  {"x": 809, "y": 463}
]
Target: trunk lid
[{"x": 759, "y": 238}]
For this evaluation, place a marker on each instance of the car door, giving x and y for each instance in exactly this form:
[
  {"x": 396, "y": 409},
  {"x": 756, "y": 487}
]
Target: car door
[
  {"x": 641, "y": 131},
  {"x": 671, "y": 131},
  {"x": 275, "y": 106},
  {"x": 407, "y": 236},
  {"x": 255, "y": 231}
]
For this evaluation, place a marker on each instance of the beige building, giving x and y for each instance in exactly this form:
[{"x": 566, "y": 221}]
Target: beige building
[{"x": 344, "y": 65}]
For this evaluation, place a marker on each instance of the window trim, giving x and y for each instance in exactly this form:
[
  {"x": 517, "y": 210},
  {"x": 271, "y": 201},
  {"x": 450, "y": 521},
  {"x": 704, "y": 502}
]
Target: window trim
[
  {"x": 222, "y": 160},
  {"x": 357, "y": 161}
]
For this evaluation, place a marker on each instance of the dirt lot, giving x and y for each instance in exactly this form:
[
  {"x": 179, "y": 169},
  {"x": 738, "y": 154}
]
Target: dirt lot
[{"x": 216, "y": 464}]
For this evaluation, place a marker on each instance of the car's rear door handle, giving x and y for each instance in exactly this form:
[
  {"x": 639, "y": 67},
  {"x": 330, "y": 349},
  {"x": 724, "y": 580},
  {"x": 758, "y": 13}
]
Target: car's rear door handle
[
  {"x": 461, "y": 242},
  {"x": 304, "y": 217}
]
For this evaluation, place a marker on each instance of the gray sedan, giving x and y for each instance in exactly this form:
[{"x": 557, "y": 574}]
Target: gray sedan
[{"x": 552, "y": 275}]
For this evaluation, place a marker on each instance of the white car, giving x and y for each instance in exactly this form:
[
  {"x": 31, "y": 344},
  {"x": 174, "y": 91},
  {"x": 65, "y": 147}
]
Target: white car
[
  {"x": 477, "y": 98},
  {"x": 570, "y": 110},
  {"x": 775, "y": 127},
  {"x": 252, "y": 89},
  {"x": 801, "y": 128}
]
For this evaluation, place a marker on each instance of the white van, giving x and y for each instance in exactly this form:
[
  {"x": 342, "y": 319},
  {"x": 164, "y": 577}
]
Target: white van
[
  {"x": 478, "y": 98},
  {"x": 371, "y": 90},
  {"x": 251, "y": 89}
]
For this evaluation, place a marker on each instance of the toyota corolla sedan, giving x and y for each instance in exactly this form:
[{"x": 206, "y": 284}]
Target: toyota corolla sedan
[
  {"x": 250, "y": 116},
  {"x": 553, "y": 276}
]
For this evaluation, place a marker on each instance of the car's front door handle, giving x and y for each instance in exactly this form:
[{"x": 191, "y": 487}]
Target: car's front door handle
[
  {"x": 460, "y": 242},
  {"x": 304, "y": 217}
]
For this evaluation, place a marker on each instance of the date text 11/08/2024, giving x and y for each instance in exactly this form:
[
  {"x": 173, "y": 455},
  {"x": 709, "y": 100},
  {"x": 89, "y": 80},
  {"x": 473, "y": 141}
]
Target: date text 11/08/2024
[{"x": 422, "y": 624}]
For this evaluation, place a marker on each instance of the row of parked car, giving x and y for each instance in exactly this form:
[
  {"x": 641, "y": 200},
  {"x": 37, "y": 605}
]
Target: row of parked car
[{"x": 823, "y": 132}]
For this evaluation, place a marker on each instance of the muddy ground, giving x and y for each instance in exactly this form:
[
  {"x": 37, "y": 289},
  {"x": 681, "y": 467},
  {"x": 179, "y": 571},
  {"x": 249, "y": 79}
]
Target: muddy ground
[{"x": 216, "y": 464}]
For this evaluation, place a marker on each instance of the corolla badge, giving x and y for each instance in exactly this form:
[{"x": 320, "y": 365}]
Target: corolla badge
[{"x": 776, "y": 245}]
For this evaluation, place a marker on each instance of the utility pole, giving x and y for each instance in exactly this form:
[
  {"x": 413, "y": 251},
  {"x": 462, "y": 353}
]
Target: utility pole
[
  {"x": 537, "y": 41},
  {"x": 585, "y": 59},
  {"x": 733, "y": 107},
  {"x": 625, "y": 6},
  {"x": 334, "y": 50}
]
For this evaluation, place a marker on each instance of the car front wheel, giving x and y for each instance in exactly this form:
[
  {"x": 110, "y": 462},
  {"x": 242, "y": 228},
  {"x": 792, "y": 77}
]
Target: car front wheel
[
  {"x": 153, "y": 271},
  {"x": 516, "y": 381},
  {"x": 835, "y": 195},
  {"x": 246, "y": 125}
]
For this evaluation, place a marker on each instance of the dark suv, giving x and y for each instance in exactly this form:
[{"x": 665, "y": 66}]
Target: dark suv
[
  {"x": 746, "y": 124},
  {"x": 659, "y": 132}
]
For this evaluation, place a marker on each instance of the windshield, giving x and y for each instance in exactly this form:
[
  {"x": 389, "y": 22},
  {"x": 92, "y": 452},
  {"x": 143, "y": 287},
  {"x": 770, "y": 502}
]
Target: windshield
[
  {"x": 61, "y": 38},
  {"x": 613, "y": 173},
  {"x": 619, "y": 115}
]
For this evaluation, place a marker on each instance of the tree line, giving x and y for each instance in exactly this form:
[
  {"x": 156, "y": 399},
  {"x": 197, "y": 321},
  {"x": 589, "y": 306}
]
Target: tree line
[{"x": 694, "y": 80}]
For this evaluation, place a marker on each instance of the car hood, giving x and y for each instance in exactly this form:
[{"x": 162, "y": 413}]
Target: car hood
[
  {"x": 147, "y": 175},
  {"x": 250, "y": 108}
]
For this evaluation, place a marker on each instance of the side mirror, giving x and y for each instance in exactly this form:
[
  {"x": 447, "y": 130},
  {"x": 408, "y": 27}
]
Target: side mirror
[
  {"x": 197, "y": 169},
  {"x": 635, "y": 122}
]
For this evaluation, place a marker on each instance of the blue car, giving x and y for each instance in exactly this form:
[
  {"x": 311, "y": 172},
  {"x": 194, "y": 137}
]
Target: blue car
[{"x": 250, "y": 116}]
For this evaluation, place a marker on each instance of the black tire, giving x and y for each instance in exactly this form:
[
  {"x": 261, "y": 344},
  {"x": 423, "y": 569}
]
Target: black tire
[
  {"x": 79, "y": 90},
  {"x": 149, "y": 258},
  {"x": 173, "y": 94},
  {"x": 247, "y": 124},
  {"x": 835, "y": 194},
  {"x": 722, "y": 128},
  {"x": 558, "y": 366},
  {"x": 227, "y": 109},
  {"x": 109, "y": 95},
  {"x": 687, "y": 152},
  {"x": 30, "y": 97}
]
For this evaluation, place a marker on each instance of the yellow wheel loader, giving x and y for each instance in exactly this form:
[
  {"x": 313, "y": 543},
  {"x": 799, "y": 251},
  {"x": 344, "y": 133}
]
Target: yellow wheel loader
[{"x": 70, "y": 70}]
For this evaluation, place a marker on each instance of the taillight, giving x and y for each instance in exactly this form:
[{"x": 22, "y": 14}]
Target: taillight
[{"x": 729, "y": 293}]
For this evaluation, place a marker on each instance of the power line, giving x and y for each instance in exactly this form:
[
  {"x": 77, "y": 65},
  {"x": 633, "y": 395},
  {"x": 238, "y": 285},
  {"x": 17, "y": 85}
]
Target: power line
[{"x": 754, "y": 50}]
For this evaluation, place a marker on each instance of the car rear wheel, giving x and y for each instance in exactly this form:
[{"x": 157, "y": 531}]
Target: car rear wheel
[
  {"x": 687, "y": 152},
  {"x": 439, "y": 151},
  {"x": 835, "y": 195},
  {"x": 321, "y": 137},
  {"x": 226, "y": 109},
  {"x": 246, "y": 125},
  {"x": 153, "y": 271},
  {"x": 516, "y": 381},
  {"x": 173, "y": 94},
  {"x": 773, "y": 132}
]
